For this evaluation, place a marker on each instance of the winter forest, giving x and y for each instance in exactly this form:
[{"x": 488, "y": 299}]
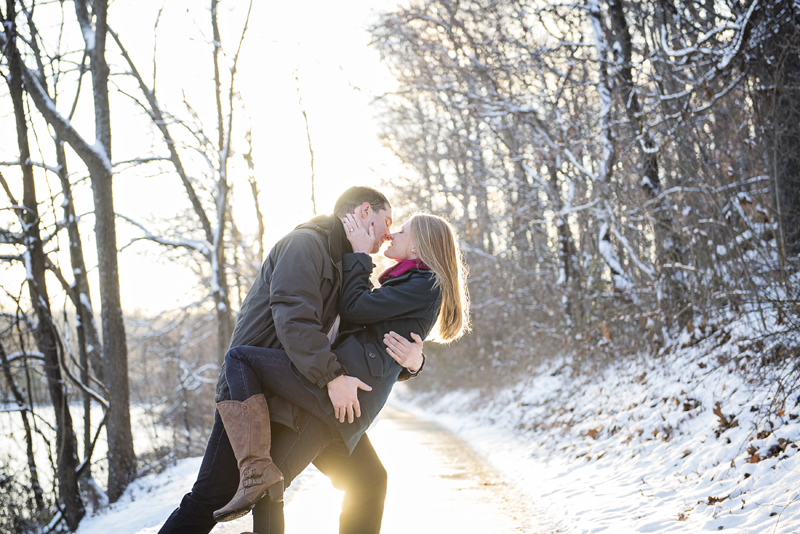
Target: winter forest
[{"x": 622, "y": 175}]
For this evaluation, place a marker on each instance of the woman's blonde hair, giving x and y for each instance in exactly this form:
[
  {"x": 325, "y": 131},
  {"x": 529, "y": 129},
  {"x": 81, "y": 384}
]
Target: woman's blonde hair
[{"x": 437, "y": 247}]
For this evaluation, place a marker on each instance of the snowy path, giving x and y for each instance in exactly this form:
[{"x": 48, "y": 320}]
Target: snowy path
[{"x": 436, "y": 485}]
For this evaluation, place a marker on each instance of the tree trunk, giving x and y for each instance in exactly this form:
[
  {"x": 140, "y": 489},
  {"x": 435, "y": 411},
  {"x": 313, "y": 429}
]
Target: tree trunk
[
  {"x": 219, "y": 274},
  {"x": 667, "y": 240},
  {"x": 45, "y": 333},
  {"x": 607, "y": 140},
  {"x": 778, "y": 71},
  {"x": 121, "y": 456},
  {"x": 565, "y": 245},
  {"x": 254, "y": 190},
  {"x": 88, "y": 339},
  {"x": 519, "y": 197}
]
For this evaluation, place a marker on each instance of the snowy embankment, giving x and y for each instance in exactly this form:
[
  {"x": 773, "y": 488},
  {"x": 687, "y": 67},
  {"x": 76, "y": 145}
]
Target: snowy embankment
[{"x": 676, "y": 442}]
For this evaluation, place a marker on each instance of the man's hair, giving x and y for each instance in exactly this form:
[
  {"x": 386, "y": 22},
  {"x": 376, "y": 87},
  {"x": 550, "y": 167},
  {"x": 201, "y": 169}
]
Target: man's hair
[{"x": 357, "y": 195}]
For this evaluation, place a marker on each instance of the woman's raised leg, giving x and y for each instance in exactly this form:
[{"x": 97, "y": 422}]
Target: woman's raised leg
[{"x": 249, "y": 372}]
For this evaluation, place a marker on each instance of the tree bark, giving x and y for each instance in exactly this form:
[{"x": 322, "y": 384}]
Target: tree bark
[
  {"x": 121, "y": 456},
  {"x": 251, "y": 167},
  {"x": 777, "y": 68},
  {"x": 88, "y": 339},
  {"x": 565, "y": 248},
  {"x": 45, "y": 334},
  {"x": 218, "y": 263},
  {"x": 667, "y": 241}
]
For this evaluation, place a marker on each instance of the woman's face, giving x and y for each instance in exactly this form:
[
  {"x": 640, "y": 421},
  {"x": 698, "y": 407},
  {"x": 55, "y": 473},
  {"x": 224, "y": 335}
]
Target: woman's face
[{"x": 401, "y": 245}]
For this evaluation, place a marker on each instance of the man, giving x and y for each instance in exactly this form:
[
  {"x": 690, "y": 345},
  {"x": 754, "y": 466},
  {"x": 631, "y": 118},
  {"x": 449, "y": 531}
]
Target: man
[{"x": 293, "y": 305}]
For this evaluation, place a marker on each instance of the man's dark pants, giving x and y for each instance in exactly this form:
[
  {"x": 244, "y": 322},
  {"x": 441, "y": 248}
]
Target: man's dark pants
[{"x": 361, "y": 475}]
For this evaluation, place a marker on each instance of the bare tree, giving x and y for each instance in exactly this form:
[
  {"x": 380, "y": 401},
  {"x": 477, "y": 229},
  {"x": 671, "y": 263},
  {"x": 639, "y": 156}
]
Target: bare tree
[
  {"x": 618, "y": 198},
  {"x": 213, "y": 214},
  {"x": 96, "y": 158},
  {"x": 46, "y": 335},
  {"x": 310, "y": 146},
  {"x": 121, "y": 457}
]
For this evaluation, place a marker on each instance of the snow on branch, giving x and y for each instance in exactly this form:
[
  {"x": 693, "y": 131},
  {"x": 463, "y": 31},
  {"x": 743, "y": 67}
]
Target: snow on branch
[
  {"x": 632, "y": 254},
  {"x": 141, "y": 161},
  {"x": 85, "y": 22},
  {"x": 203, "y": 247},
  {"x": 733, "y": 51},
  {"x": 742, "y": 182},
  {"x": 55, "y": 170},
  {"x": 606, "y": 250},
  {"x": 24, "y": 355},
  {"x": 191, "y": 379},
  {"x": 94, "y": 156},
  {"x": 7, "y": 237},
  {"x": 569, "y": 209},
  {"x": 718, "y": 67}
]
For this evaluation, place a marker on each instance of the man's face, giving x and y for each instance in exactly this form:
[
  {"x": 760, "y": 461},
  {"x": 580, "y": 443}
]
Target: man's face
[{"x": 383, "y": 225}]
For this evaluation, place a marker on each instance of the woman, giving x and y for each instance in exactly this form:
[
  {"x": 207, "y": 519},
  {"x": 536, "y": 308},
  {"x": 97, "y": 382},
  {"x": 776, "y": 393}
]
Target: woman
[{"x": 423, "y": 292}]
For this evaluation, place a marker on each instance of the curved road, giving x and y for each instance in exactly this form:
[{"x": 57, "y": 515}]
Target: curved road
[{"x": 437, "y": 485}]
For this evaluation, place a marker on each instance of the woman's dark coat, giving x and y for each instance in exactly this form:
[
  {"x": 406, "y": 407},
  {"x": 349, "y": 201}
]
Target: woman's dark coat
[{"x": 405, "y": 304}]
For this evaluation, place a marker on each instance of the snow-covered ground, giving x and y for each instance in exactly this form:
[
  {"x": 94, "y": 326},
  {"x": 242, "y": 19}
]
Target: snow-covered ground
[
  {"x": 679, "y": 443},
  {"x": 638, "y": 447}
]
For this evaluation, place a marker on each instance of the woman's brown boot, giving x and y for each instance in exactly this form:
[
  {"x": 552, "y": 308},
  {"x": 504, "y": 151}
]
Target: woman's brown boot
[{"x": 247, "y": 426}]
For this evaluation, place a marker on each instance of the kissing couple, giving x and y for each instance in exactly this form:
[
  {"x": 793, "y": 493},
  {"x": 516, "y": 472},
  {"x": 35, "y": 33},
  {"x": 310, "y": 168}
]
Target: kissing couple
[{"x": 314, "y": 355}]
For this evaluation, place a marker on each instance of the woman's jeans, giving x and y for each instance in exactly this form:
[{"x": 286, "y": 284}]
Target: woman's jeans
[{"x": 254, "y": 370}]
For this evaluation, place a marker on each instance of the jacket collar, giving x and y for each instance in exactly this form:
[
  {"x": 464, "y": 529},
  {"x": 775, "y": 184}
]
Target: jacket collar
[{"x": 333, "y": 230}]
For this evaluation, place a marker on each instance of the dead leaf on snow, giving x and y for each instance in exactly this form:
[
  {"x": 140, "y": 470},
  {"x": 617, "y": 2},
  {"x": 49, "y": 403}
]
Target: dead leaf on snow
[{"x": 606, "y": 331}]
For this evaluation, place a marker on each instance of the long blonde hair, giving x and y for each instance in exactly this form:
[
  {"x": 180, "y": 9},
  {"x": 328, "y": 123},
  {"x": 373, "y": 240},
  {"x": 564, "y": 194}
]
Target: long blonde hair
[{"x": 437, "y": 247}]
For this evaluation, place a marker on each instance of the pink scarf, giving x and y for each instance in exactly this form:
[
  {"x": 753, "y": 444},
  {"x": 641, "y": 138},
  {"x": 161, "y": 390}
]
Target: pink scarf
[{"x": 401, "y": 267}]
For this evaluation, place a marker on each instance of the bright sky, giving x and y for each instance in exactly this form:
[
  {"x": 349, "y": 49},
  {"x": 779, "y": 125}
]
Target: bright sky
[{"x": 323, "y": 43}]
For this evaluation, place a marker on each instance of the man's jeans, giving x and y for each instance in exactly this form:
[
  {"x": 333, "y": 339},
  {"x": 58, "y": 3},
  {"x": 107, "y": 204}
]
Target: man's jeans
[{"x": 361, "y": 476}]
